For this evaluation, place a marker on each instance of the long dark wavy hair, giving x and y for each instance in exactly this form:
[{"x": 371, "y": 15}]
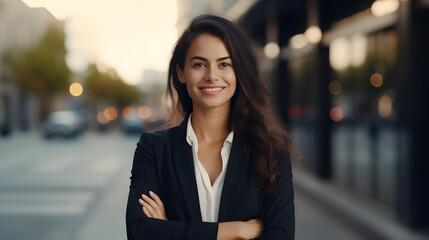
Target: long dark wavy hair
[{"x": 251, "y": 114}]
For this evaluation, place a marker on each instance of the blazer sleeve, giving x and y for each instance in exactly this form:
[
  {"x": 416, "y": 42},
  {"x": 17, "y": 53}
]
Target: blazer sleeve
[
  {"x": 279, "y": 210},
  {"x": 143, "y": 179}
]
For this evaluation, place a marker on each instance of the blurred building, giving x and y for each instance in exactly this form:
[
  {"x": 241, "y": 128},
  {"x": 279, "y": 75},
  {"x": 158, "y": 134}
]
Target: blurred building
[
  {"x": 20, "y": 27},
  {"x": 188, "y": 9},
  {"x": 350, "y": 78}
]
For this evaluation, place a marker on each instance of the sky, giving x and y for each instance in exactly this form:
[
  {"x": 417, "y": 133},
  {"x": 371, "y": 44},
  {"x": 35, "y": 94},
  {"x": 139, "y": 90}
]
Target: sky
[{"x": 127, "y": 35}]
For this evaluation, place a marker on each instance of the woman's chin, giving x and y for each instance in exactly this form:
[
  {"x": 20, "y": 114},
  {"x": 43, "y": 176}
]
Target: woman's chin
[{"x": 212, "y": 105}]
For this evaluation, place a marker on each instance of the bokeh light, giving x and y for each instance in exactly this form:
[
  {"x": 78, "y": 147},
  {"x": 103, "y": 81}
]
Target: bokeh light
[
  {"x": 335, "y": 87},
  {"x": 110, "y": 113},
  {"x": 358, "y": 44},
  {"x": 272, "y": 50},
  {"x": 101, "y": 118},
  {"x": 76, "y": 89},
  {"x": 313, "y": 34},
  {"x": 144, "y": 112},
  {"x": 376, "y": 80},
  {"x": 336, "y": 114},
  {"x": 295, "y": 111},
  {"x": 298, "y": 41},
  {"x": 385, "y": 106},
  {"x": 339, "y": 53},
  {"x": 381, "y": 8},
  {"x": 129, "y": 112}
]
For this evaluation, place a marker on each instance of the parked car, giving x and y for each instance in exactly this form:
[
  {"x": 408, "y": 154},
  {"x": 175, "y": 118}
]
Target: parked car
[
  {"x": 63, "y": 123},
  {"x": 138, "y": 125},
  {"x": 132, "y": 126}
]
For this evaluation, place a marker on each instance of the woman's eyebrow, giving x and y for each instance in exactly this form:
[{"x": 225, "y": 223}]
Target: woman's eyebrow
[
  {"x": 205, "y": 59},
  {"x": 223, "y": 58},
  {"x": 198, "y": 58}
]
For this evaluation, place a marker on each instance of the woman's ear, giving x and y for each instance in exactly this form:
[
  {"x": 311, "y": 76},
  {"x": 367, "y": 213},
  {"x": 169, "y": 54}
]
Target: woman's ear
[{"x": 180, "y": 74}]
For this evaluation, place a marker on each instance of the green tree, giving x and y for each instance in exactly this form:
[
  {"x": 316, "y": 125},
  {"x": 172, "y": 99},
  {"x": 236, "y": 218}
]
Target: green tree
[
  {"x": 108, "y": 87},
  {"x": 41, "y": 69}
]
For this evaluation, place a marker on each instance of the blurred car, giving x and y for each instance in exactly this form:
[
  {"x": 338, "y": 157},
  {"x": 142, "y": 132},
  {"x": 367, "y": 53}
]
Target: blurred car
[
  {"x": 132, "y": 126},
  {"x": 62, "y": 123},
  {"x": 138, "y": 125}
]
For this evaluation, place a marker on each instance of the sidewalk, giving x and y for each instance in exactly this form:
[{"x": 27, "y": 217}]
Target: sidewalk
[
  {"x": 315, "y": 223},
  {"x": 364, "y": 219}
]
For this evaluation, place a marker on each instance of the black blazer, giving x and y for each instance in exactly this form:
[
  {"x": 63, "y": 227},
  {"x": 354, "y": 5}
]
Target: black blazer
[{"x": 163, "y": 163}]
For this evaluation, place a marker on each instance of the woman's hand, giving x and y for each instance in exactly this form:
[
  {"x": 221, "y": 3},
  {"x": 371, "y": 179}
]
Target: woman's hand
[
  {"x": 152, "y": 206},
  {"x": 240, "y": 230},
  {"x": 251, "y": 229}
]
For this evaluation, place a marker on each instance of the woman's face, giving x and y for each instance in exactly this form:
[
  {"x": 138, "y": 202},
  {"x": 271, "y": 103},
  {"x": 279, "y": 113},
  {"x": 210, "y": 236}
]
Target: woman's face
[{"x": 208, "y": 73}]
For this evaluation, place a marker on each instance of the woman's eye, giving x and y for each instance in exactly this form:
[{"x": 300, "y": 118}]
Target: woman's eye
[
  {"x": 225, "y": 64},
  {"x": 197, "y": 65}
]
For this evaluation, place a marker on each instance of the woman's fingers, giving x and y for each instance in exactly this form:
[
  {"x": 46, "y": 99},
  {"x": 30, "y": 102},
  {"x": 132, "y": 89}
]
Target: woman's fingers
[
  {"x": 159, "y": 203},
  {"x": 146, "y": 212},
  {"x": 153, "y": 204},
  {"x": 156, "y": 198},
  {"x": 149, "y": 200},
  {"x": 149, "y": 209}
]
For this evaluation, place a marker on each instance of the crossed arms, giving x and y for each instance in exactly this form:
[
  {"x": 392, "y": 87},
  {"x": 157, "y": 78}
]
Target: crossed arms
[{"x": 147, "y": 219}]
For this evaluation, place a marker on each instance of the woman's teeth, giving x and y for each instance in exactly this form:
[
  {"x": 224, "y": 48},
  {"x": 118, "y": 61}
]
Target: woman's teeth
[{"x": 211, "y": 89}]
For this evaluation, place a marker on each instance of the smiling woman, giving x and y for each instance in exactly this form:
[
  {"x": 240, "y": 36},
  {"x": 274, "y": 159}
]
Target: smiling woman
[
  {"x": 225, "y": 171},
  {"x": 210, "y": 78}
]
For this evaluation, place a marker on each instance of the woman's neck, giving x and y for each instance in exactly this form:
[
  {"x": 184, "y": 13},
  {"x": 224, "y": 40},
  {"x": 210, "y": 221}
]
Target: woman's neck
[{"x": 210, "y": 125}]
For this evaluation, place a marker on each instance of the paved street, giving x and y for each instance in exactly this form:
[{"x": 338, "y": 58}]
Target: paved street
[
  {"x": 48, "y": 189},
  {"x": 77, "y": 189}
]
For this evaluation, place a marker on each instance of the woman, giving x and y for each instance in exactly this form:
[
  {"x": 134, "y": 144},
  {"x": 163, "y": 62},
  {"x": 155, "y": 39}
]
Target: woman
[{"x": 225, "y": 171}]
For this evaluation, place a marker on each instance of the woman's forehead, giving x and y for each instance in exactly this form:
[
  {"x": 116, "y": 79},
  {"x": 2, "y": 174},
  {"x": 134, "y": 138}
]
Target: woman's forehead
[{"x": 208, "y": 45}]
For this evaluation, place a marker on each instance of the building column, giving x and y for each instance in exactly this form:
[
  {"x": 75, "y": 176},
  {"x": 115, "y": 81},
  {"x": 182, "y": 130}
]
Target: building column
[
  {"x": 413, "y": 176},
  {"x": 324, "y": 164}
]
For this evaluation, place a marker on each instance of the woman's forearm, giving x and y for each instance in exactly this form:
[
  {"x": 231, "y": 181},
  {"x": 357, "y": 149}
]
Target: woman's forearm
[
  {"x": 153, "y": 207},
  {"x": 229, "y": 230},
  {"x": 240, "y": 230}
]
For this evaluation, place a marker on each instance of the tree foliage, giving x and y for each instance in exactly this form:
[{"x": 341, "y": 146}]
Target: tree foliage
[
  {"x": 41, "y": 68},
  {"x": 109, "y": 87}
]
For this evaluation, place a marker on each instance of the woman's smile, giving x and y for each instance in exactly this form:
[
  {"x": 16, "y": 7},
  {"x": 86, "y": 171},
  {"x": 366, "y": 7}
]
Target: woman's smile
[{"x": 211, "y": 90}]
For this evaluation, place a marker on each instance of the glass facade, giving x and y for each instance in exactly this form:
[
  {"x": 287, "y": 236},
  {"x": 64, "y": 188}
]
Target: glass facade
[{"x": 368, "y": 138}]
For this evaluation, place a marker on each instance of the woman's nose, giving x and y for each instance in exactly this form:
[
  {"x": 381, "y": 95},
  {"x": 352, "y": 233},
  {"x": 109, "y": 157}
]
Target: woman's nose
[{"x": 212, "y": 74}]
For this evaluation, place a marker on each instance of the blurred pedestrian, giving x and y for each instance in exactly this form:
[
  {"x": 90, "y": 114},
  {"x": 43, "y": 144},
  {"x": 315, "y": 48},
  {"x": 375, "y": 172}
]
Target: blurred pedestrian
[{"x": 225, "y": 171}]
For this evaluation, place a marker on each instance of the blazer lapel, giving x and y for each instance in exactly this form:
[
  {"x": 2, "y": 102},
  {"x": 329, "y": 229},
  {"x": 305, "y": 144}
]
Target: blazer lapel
[
  {"x": 234, "y": 178},
  {"x": 184, "y": 165}
]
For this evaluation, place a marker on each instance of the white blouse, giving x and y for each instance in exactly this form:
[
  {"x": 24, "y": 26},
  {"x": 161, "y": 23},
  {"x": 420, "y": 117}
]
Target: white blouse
[{"x": 208, "y": 195}]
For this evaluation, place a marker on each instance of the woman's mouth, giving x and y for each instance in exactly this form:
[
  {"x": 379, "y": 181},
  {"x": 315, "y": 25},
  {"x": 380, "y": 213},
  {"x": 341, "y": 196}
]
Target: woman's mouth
[{"x": 211, "y": 90}]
